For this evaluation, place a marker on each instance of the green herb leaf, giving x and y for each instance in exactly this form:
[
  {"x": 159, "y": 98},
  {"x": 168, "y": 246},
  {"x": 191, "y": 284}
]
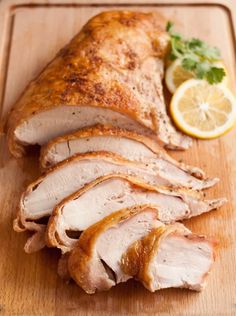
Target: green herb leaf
[
  {"x": 169, "y": 29},
  {"x": 212, "y": 53},
  {"x": 196, "y": 56},
  {"x": 169, "y": 26},
  {"x": 201, "y": 69},
  {"x": 189, "y": 63},
  {"x": 215, "y": 75},
  {"x": 194, "y": 43},
  {"x": 178, "y": 47}
]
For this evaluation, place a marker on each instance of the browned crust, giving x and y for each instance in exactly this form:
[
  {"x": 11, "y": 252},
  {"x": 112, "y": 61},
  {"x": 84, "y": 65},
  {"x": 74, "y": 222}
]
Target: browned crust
[
  {"x": 136, "y": 260},
  {"x": 75, "y": 76},
  {"x": 107, "y": 130},
  {"x": 80, "y": 258},
  {"x": 52, "y": 237}
]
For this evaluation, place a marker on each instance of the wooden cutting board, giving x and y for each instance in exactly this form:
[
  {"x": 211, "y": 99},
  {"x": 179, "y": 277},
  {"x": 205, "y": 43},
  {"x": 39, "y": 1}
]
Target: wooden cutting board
[{"x": 31, "y": 33}]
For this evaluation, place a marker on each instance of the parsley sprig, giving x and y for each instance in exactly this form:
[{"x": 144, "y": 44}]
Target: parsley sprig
[{"x": 196, "y": 56}]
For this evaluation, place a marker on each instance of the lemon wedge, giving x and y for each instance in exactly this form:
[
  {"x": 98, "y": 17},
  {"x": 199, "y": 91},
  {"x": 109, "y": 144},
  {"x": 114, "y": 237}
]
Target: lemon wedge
[
  {"x": 176, "y": 75},
  {"x": 202, "y": 110}
]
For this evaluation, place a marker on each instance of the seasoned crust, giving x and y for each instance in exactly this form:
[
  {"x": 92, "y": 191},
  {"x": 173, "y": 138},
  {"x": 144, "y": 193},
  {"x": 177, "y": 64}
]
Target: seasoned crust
[{"x": 76, "y": 75}]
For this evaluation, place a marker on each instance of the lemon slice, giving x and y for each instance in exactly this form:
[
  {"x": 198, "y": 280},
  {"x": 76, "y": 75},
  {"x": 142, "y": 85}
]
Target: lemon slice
[
  {"x": 176, "y": 75},
  {"x": 203, "y": 110}
]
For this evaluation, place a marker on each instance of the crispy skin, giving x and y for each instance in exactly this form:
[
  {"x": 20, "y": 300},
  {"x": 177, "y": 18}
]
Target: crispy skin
[{"x": 111, "y": 45}]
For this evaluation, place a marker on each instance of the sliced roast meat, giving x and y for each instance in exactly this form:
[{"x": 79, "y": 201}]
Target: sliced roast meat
[
  {"x": 170, "y": 256},
  {"x": 108, "y": 194},
  {"x": 95, "y": 262},
  {"x": 47, "y": 125},
  {"x": 128, "y": 144},
  {"x": 70, "y": 175},
  {"x": 111, "y": 73}
]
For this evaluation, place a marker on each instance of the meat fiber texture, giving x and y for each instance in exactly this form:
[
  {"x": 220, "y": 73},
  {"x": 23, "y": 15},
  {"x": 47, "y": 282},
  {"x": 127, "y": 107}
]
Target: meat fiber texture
[
  {"x": 170, "y": 256},
  {"x": 40, "y": 197},
  {"x": 108, "y": 194},
  {"x": 130, "y": 145},
  {"x": 159, "y": 256}
]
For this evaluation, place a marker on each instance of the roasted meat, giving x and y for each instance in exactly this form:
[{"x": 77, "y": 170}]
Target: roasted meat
[
  {"x": 133, "y": 243},
  {"x": 110, "y": 73},
  {"x": 95, "y": 261},
  {"x": 130, "y": 145},
  {"x": 109, "y": 194},
  {"x": 170, "y": 256}
]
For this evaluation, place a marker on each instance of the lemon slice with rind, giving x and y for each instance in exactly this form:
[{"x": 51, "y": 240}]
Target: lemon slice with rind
[
  {"x": 176, "y": 75},
  {"x": 203, "y": 110}
]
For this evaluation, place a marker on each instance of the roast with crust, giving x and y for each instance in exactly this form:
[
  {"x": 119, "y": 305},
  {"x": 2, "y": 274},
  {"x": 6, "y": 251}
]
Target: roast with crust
[{"x": 110, "y": 73}]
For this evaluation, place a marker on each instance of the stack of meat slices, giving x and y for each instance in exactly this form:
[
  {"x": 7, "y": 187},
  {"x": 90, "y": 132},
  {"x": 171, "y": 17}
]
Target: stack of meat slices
[{"x": 110, "y": 195}]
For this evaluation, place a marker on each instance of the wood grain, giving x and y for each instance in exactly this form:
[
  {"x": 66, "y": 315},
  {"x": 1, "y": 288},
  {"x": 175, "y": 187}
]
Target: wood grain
[{"x": 30, "y": 36}]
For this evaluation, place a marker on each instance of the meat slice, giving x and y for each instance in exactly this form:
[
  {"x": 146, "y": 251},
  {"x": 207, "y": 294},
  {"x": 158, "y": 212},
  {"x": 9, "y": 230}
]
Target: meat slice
[
  {"x": 110, "y": 73},
  {"x": 111, "y": 193},
  {"x": 70, "y": 175},
  {"x": 95, "y": 262},
  {"x": 128, "y": 144},
  {"x": 170, "y": 256}
]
